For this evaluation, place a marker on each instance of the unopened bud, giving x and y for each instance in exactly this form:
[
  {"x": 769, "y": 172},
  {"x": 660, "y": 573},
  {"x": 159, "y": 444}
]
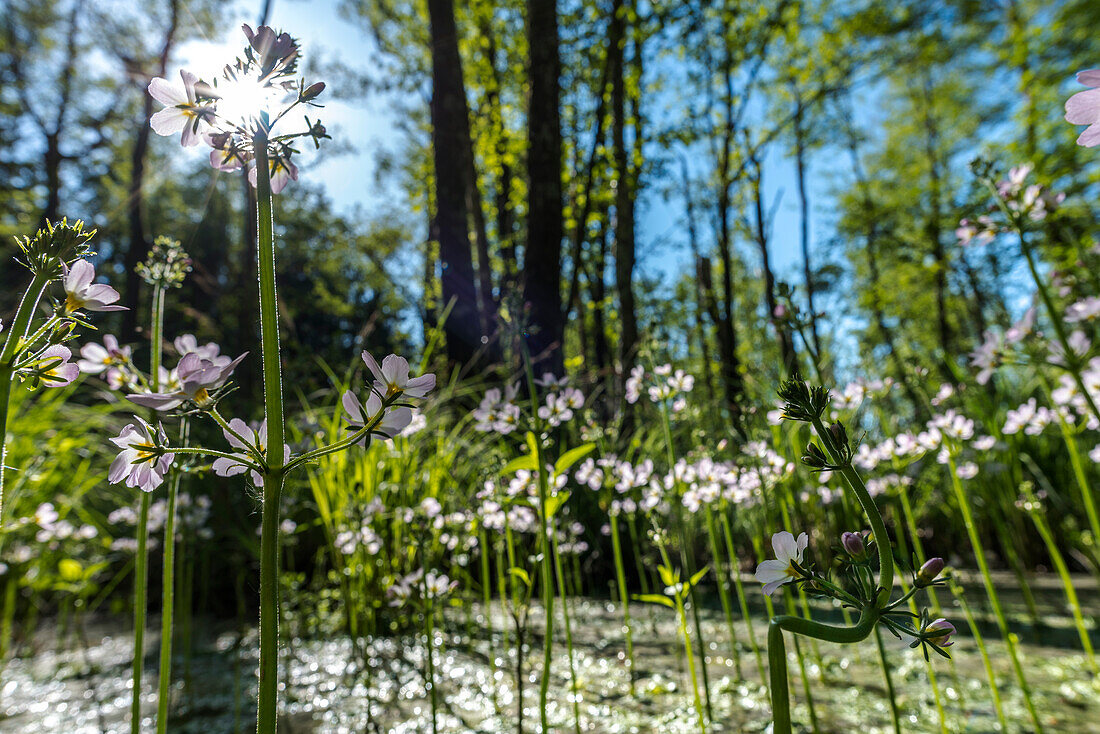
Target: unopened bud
[
  {"x": 313, "y": 91},
  {"x": 853, "y": 544},
  {"x": 929, "y": 572},
  {"x": 814, "y": 457}
]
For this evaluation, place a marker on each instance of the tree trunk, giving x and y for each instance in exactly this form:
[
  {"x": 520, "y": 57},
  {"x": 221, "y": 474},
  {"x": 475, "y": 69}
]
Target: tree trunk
[
  {"x": 804, "y": 216},
  {"x": 624, "y": 190},
  {"x": 138, "y": 246},
  {"x": 760, "y": 234},
  {"x": 450, "y": 142},
  {"x": 542, "y": 262}
]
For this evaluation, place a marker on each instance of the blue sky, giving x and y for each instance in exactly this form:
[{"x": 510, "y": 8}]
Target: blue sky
[{"x": 350, "y": 178}]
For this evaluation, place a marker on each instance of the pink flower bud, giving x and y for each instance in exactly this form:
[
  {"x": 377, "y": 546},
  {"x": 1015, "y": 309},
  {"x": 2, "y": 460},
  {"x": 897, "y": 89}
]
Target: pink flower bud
[
  {"x": 929, "y": 571},
  {"x": 853, "y": 544}
]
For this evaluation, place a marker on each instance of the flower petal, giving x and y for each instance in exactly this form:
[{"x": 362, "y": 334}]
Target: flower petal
[
  {"x": 166, "y": 93},
  {"x": 168, "y": 121},
  {"x": 784, "y": 545},
  {"x": 1083, "y": 108}
]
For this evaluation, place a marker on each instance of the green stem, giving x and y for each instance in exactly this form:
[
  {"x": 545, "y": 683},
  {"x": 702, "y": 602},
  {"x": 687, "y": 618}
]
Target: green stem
[
  {"x": 167, "y": 605},
  {"x": 547, "y": 584},
  {"x": 568, "y": 634},
  {"x": 735, "y": 572},
  {"x": 141, "y": 568},
  {"x": 624, "y": 595},
  {"x": 1035, "y": 513},
  {"x": 991, "y": 592},
  {"x": 18, "y": 329},
  {"x": 895, "y": 714},
  {"x": 268, "y": 699},
  {"x": 141, "y": 577}
]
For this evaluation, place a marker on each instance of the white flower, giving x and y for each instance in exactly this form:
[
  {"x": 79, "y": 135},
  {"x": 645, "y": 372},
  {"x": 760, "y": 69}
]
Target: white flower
[
  {"x": 788, "y": 553},
  {"x": 182, "y": 113},
  {"x": 359, "y": 415},
  {"x": 393, "y": 376},
  {"x": 82, "y": 293},
  {"x": 969, "y": 470},
  {"x": 1084, "y": 310}
]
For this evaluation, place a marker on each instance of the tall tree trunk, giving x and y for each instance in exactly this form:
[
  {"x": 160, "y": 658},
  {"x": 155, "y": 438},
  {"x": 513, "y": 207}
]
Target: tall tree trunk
[
  {"x": 877, "y": 313},
  {"x": 760, "y": 234},
  {"x": 700, "y": 301},
  {"x": 601, "y": 350},
  {"x": 933, "y": 226},
  {"x": 138, "y": 246},
  {"x": 722, "y": 315},
  {"x": 804, "y": 216},
  {"x": 450, "y": 144},
  {"x": 624, "y": 190},
  {"x": 542, "y": 261}
]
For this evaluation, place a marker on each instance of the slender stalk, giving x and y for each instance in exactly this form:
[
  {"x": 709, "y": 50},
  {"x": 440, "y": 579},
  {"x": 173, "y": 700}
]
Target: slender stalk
[
  {"x": 18, "y": 329},
  {"x": 624, "y": 595},
  {"x": 429, "y": 630},
  {"x": 722, "y": 577},
  {"x": 141, "y": 578},
  {"x": 167, "y": 605},
  {"x": 268, "y": 700},
  {"x": 568, "y": 634},
  {"x": 546, "y": 582},
  {"x": 895, "y": 714},
  {"x": 742, "y": 600},
  {"x": 141, "y": 568},
  {"x": 991, "y": 592}
]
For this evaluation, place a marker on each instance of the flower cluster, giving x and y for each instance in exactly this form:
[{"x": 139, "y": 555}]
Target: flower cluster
[
  {"x": 662, "y": 385},
  {"x": 242, "y": 106}
]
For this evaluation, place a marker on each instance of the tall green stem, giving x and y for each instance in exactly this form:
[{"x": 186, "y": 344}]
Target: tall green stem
[
  {"x": 141, "y": 578},
  {"x": 18, "y": 329},
  {"x": 994, "y": 601},
  {"x": 624, "y": 595},
  {"x": 141, "y": 567},
  {"x": 268, "y": 701},
  {"x": 168, "y": 591}
]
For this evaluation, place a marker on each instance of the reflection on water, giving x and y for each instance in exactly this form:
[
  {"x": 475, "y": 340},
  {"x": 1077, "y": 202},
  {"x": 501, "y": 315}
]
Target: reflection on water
[{"x": 84, "y": 689}]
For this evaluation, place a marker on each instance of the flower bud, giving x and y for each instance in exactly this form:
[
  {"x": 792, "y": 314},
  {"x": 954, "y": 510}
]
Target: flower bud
[
  {"x": 312, "y": 92},
  {"x": 853, "y": 544},
  {"x": 814, "y": 458},
  {"x": 939, "y": 633},
  {"x": 929, "y": 572}
]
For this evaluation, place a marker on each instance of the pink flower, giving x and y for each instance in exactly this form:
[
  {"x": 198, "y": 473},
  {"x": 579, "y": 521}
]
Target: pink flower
[
  {"x": 182, "y": 113},
  {"x": 1083, "y": 108},
  {"x": 82, "y": 293},
  {"x": 141, "y": 464},
  {"x": 224, "y": 467},
  {"x": 198, "y": 377},
  {"x": 282, "y": 172},
  {"x": 940, "y": 632},
  {"x": 54, "y": 368}
]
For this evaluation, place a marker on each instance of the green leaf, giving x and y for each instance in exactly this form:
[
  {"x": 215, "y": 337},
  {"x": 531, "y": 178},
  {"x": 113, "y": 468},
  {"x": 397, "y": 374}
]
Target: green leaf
[
  {"x": 698, "y": 576},
  {"x": 571, "y": 457},
  {"x": 520, "y": 574},
  {"x": 655, "y": 599},
  {"x": 667, "y": 577},
  {"x": 520, "y": 463},
  {"x": 532, "y": 443},
  {"x": 554, "y": 503}
]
